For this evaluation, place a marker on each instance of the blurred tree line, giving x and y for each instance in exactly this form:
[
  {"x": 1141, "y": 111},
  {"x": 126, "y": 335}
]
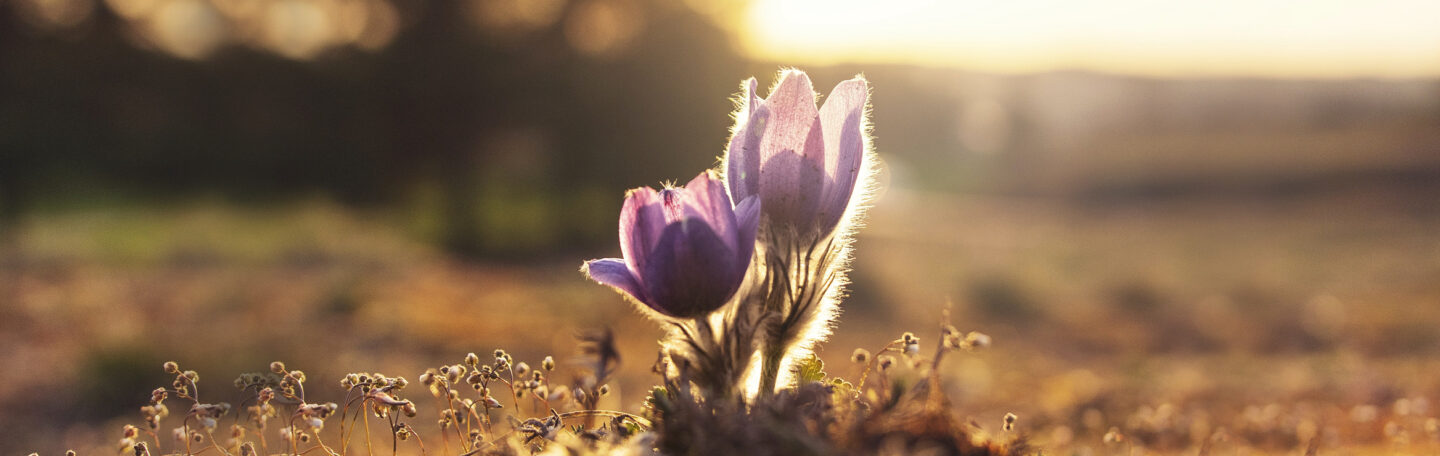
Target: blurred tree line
[
  {"x": 506, "y": 140},
  {"x": 500, "y": 127}
]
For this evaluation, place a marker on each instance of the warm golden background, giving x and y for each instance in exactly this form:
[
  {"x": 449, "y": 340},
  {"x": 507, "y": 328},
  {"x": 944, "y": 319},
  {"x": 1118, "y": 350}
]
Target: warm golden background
[{"x": 1173, "y": 218}]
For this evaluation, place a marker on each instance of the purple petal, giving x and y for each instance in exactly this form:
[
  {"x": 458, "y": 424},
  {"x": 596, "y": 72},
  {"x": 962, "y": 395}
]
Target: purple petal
[
  {"x": 705, "y": 198},
  {"x": 747, "y": 219},
  {"x": 691, "y": 272},
  {"x": 615, "y": 273},
  {"x": 790, "y": 189},
  {"x": 792, "y": 116},
  {"x": 742, "y": 159},
  {"x": 792, "y": 153},
  {"x": 642, "y": 222},
  {"x": 840, "y": 120}
]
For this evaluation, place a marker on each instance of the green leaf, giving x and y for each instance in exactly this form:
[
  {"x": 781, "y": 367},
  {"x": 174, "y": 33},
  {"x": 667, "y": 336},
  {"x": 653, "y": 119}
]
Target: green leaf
[{"x": 810, "y": 369}]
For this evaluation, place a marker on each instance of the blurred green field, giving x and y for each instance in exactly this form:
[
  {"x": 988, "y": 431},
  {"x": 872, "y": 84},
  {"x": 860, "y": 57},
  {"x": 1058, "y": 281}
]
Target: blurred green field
[{"x": 1170, "y": 320}]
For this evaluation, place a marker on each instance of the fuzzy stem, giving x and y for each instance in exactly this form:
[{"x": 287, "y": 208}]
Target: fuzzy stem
[{"x": 770, "y": 369}]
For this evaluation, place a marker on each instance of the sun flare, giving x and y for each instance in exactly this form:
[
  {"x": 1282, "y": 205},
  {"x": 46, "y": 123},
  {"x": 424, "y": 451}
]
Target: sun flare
[{"x": 1387, "y": 38}]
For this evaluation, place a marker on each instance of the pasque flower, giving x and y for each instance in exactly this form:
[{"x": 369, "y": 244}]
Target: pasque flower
[
  {"x": 685, "y": 249},
  {"x": 802, "y": 162}
]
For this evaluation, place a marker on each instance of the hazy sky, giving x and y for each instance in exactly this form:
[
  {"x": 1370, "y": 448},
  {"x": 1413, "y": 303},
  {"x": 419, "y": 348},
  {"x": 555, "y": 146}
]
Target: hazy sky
[{"x": 1384, "y": 38}]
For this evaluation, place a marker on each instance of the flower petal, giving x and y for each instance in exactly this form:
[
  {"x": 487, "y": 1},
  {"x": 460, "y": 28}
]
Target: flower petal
[
  {"x": 790, "y": 189},
  {"x": 742, "y": 159},
  {"x": 615, "y": 273},
  {"x": 691, "y": 272},
  {"x": 792, "y": 116},
  {"x": 841, "y": 120},
  {"x": 747, "y": 219},
  {"x": 705, "y": 197},
  {"x": 792, "y": 153},
  {"x": 642, "y": 221}
]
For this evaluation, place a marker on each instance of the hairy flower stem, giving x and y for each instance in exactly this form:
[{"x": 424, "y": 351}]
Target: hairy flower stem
[{"x": 770, "y": 370}]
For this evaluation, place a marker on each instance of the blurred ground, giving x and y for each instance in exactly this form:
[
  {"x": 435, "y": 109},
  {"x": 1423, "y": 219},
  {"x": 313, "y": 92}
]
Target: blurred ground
[{"x": 1168, "y": 320}]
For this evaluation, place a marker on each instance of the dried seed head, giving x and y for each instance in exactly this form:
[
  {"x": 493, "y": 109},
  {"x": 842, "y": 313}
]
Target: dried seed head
[
  {"x": 559, "y": 393},
  {"x": 521, "y": 369},
  {"x": 472, "y": 358},
  {"x": 861, "y": 356},
  {"x": 1114, "y": 436},
  {"x": 1010, "y": 419},
  {"x": 277, "y": 367},
  {"x": 548, "y": 364},
  {"x": 171, "y": 367},
  {"x": 977, "y": 340},
  {"x": 908, "y": 337},
  {"x": 885, "y": 361}
]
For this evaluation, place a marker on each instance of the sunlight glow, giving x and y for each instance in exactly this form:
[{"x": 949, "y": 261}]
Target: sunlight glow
[{"x": 1386, "y": 38}]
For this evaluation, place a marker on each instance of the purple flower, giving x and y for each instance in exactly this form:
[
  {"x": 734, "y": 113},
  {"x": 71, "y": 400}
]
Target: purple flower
[
  {"x": 802, "y": 162},
  {"x": 686, "y": 249}
]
